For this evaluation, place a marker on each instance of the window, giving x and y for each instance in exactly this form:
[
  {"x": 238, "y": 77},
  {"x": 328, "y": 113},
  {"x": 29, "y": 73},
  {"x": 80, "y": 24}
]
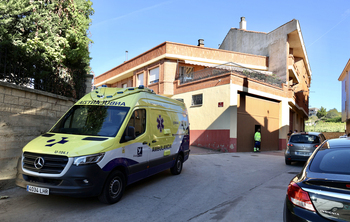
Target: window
[
  {"x": 331, "y": 161},
  {"x": 125, "y": 85},
  {"x": 140, "y": 79},
  {"x": 92, "y": 120},
  {"x": 138, "y": 121},
  {"x": 309, "y": 139},
  {"x": 154, "y": 75},
  {"x": 197, "y": 100}
]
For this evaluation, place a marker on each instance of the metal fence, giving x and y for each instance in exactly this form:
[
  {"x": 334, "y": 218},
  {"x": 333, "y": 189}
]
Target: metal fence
[
  {"x": 18, "y": 69},
  {"x": 231, "y": 68}
]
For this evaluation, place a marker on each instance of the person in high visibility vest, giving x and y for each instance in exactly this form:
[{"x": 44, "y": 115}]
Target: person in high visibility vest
[{"x": 257, "y": 139}]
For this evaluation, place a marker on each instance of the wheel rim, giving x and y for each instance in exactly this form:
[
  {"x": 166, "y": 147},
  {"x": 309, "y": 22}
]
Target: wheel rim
[
  {"x": 115, "y": 187},
  {"x": 178, "y": 165}
]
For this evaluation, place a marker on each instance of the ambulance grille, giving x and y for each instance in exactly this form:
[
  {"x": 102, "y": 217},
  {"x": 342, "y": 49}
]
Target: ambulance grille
[{"x": 52, "y": 164}]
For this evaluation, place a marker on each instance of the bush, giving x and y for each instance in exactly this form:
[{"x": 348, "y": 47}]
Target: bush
[
  {"x": 334, "y": 120},
  {"x": 326, "y": 127}
]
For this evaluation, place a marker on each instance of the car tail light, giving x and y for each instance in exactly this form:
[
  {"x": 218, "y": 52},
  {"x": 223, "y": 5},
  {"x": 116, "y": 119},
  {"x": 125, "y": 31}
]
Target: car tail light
[
  {"x": 299, "y": 197},
  {"x": 289, "y": 144}
]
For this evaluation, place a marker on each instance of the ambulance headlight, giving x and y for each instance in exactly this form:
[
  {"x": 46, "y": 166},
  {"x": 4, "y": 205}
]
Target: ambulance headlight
[{"x": 84, "y": 160}]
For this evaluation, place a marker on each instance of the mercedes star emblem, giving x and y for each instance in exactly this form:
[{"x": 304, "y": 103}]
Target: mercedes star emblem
[{"x": 39, "y": 162}]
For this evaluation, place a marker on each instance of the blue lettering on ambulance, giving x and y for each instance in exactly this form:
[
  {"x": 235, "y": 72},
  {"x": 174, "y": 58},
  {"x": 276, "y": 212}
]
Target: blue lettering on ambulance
[{"x": 104, "y": 103}]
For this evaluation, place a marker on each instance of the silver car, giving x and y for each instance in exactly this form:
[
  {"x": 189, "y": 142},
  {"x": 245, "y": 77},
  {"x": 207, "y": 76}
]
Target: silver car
[{"x": 301, "y": 145}]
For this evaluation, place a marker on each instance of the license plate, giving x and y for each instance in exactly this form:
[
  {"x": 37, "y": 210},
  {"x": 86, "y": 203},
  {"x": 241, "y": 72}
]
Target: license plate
[
  {"x": 38, "y": 190},
  {"x": 303, "y": 153}
]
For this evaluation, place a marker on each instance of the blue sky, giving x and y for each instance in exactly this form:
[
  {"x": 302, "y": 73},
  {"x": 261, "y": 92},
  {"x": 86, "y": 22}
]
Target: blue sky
[{"x": 139, "y": 25}]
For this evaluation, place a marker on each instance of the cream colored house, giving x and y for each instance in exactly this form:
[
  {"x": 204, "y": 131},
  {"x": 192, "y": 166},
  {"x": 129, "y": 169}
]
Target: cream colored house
[
  {"x": 228, "y": 94},
  {"x": 345, "y": 107}
]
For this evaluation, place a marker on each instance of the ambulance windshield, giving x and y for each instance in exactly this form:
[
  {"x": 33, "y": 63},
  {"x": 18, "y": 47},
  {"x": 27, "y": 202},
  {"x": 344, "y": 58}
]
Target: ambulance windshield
[{"x": 92, "y": 120}]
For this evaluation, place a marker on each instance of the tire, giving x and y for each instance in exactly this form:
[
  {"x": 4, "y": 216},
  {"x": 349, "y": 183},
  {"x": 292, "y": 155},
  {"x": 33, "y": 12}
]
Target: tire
[
  {"x": 113, "y": 189},
  {"x": 288, "y": 162},
  {"x": 177, "y": 168}
]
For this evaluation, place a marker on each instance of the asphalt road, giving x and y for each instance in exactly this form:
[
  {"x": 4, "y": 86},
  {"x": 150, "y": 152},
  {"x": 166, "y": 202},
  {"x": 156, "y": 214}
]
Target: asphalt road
[{"x": 212, "y": 187}]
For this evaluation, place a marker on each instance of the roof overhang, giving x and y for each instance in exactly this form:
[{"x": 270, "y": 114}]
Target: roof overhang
[
  {"x": 296, "y": 41},
  {"x": 345, "y": 71},
  {"x": 186, "y": 59}
]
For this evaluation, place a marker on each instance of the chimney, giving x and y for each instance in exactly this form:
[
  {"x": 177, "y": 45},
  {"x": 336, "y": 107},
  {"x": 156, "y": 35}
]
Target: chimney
[
  {"x": 243, "y": 24},
  {"x": 201, "y": 42}
]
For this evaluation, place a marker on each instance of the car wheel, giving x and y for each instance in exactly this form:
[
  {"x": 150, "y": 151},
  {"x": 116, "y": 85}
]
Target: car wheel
[
  {"x": 177, "y": 168},
  {"x": 113, "y": 189},
  {"x": 288, "y": 162}
]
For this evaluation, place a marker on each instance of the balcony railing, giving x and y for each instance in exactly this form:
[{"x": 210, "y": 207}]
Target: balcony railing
[{"x": 232, "y": 69}]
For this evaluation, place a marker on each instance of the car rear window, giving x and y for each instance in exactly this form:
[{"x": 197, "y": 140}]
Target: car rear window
[
  {"x": 304, "y": 138},
  {"x": 331, "y": 161}
]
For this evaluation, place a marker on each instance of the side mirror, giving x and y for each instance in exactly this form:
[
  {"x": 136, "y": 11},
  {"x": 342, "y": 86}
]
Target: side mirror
[{"x": 129, "y": 133}]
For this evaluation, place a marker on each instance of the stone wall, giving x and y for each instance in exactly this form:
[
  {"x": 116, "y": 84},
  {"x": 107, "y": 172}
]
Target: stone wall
[{"x": 24, "y": 114}]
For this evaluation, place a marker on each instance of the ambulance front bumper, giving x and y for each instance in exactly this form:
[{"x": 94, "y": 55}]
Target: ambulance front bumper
[{"x": 78, "y": 181}]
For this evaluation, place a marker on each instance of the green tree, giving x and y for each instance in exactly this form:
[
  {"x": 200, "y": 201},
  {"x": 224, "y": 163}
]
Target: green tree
[
  {"x": 321, "y": 112},
  {"x": 45, "y": 42},
  {"x": 333, "y": 113}
]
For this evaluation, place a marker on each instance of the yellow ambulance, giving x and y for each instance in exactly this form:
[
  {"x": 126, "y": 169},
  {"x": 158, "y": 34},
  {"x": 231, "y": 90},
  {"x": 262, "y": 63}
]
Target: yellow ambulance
[{"x": 110, "y": 138}]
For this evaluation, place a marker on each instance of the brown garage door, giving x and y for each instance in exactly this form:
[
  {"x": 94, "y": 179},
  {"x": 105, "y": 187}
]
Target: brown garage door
[{"x": 253, "y": 113}]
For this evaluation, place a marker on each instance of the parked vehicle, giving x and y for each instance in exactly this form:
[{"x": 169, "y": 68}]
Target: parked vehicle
[
  {"x": 321, "y": 191},
  {"x": 301, "y": 145},
  {"x": 110, "y": 138}
]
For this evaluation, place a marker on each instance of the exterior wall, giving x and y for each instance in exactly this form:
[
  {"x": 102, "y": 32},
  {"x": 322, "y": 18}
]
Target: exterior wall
[
  {"x": 208, "y": 127},
  {"x": 344, "y": 98},
  {"x": 210, "y": 54},
  {"x": 346, "y": 94},
  {"x": 272, "y": 44},
  {"x": 283, "y": 96},
  {"x": 239, "y": 40},
  {"x": 301, "y": 90},
  {"x": 254, "y": 112},
  {"x": 175, "y": 51},
  {"x": 345, "y": 107},
  {"x": 210, "y": 124},
  {"x": 123, "y": 70},
  {"x": 170, "y": 68},
  {"x": 129, "y": 81},
  {"x": 285, "y": 49},
  {"x": 284, "y": 119},
  {"x": 25, "y": 114}
]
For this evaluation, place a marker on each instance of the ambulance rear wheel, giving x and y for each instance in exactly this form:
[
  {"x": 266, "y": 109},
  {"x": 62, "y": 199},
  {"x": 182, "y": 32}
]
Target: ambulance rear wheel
[
  {"x": 177, "y": 168},
  {"x": 113, "y": 189}
]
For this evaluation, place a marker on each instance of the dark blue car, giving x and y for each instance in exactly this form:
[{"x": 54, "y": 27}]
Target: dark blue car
[{"x": 321, "y": 191}]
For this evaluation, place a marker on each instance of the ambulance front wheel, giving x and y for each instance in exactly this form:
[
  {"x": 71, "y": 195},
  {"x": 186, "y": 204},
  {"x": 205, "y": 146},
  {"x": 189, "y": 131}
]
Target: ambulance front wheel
[
  {"x": 113, "y": 189},
  {"x": 177, "y": 168}
]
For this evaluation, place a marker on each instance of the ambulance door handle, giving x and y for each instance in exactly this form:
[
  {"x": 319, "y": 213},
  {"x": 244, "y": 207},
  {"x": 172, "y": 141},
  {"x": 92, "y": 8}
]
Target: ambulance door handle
[
  {"x": 154, "y": 141},
  {"x": 144, "y": 143}
]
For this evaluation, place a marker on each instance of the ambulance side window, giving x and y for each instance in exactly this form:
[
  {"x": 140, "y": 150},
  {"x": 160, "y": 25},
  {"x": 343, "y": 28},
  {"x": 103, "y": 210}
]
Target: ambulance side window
[{"x": 138, "y": 121}]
